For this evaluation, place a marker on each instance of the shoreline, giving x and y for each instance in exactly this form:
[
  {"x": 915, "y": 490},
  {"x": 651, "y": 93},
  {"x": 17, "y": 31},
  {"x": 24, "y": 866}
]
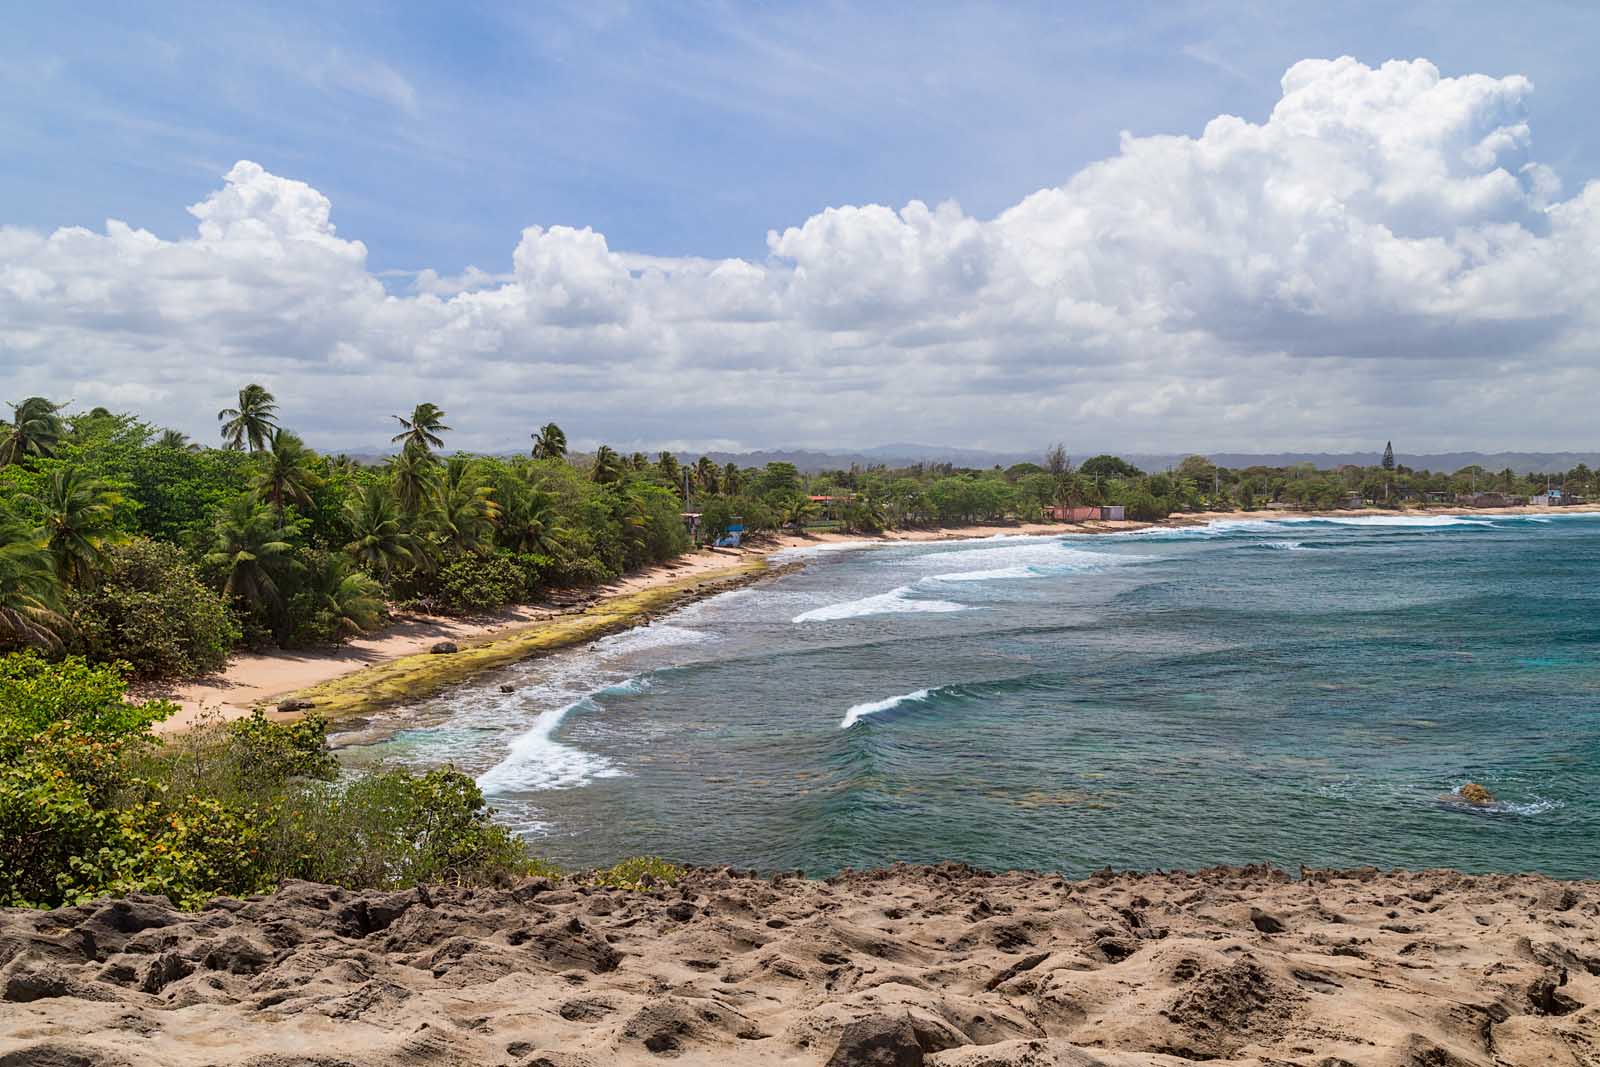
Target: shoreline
[{"x": 394, "y": 665}]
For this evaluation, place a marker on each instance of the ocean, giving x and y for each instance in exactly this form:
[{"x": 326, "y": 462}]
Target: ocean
[{"x": 1294, "y": 691}]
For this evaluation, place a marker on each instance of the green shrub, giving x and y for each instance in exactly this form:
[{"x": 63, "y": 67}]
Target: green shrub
[
  {"x": 396, "y": 828},
  {"x": 149, "y": 608},
  {"x": 482, "y": 583},
  {"x": 92, "y": 803},
  {"x": 639, "y": 872}
]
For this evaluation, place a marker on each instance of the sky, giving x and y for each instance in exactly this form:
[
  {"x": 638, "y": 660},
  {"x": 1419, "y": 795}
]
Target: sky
[{"x": 1138, "y": 227}]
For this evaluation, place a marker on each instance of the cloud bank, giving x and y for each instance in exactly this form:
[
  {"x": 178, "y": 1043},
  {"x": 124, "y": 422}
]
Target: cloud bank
[{"x": 1381, "y": 258}]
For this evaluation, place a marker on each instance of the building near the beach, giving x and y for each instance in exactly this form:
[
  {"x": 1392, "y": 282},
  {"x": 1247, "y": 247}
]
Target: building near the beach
[{"x": 1084, "y": 512}]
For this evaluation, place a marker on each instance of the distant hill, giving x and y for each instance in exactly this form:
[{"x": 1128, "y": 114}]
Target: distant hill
[
  {"x": 905, "y": 455},
  {"x": 900, "y": 455}
]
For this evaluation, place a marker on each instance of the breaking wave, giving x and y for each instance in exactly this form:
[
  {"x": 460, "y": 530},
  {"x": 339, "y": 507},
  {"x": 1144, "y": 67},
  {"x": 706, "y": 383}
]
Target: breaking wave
[
  {"x": 857, "y": 712},
  {"x": 895, "y": 601}
]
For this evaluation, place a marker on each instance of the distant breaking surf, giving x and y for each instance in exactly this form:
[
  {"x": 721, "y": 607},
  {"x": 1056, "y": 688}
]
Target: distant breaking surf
[{"x": 855, "y": 714}]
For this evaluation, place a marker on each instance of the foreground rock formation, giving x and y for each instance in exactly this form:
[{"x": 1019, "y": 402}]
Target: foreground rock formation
[{"x": 943, "y": 966}]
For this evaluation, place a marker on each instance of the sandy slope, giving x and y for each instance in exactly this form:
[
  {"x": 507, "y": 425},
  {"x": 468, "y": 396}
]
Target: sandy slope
[{"x": 948, "y": 966}]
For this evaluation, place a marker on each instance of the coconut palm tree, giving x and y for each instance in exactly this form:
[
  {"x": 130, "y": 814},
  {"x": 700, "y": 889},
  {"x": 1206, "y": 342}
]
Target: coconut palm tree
[
  {"x": 252, "y": 422},
  {"x": 250, "y": 546},
  {"x": 467, "y": 508},
  {"x": 76, "y": 513},
  {"x": 423, "y": 428},
  {"x": 413, "y": 474},
  {"x": 607, "y": 466},
  {"x": 549, "y": 442},
  {"x": 176, "y": 440},
  {"x": 30, "y": 596},
  {"x": 34, "y": 430},
  {"x": 671, "y": 470},
  {"x": 379, "y": 540},
  {"x": 528, "y": 520},
  {"x": 796, "y": 510},
  {"x": 638, "y": 461},
  {"x": 286, "y": 476},
  {"x": 730, "y": 478},
  {"x": 351, "y": 599},
  {"x": 706, "y": 475}
]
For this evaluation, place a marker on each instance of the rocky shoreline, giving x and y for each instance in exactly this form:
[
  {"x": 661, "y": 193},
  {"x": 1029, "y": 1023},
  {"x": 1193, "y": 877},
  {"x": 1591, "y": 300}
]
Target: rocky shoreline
[{"x": 946, "y": 966}]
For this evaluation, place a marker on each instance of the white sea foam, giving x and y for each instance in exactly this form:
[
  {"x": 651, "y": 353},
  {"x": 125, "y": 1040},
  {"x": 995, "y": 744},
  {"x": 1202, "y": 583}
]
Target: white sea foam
[
  {"x": 1284, "y": 546},
  {"x": 656, "y": 635},
  {"x": 802, "y": 551},
  {"x": 896, "y": 601},
  {"x": 1424, "y": 521},
  {"x": 855, "y": 714},
  {"x": 998, "y": 574},
  {"x": 537, "y": 761},
  {"x": 1035, "y": 561}
]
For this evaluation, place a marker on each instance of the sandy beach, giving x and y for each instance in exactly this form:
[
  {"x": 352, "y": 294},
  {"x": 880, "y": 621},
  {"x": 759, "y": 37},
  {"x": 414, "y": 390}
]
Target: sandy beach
[
  {"x": 940, "y": 966},
  {"x": 265, "y": 679}
]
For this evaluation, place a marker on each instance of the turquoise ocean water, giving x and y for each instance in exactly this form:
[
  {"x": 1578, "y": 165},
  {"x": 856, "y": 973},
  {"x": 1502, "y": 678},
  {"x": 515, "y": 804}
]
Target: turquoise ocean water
[{"x": 1287, "y": 691}]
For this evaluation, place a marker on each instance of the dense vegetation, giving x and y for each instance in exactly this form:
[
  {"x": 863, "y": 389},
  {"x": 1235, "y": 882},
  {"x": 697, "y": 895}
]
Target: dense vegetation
[
  {"x": 122, "y": 542},
  {"x": 91, "y": 802}
]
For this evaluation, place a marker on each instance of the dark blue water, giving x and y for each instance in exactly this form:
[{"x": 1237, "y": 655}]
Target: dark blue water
[{"x": 1296, "y": 692}]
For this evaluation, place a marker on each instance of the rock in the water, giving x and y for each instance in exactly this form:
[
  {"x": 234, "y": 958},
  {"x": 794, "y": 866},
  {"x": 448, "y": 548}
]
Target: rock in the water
[
  {"x": 508, "y": 689},
  {"x": 1473, "y": 793},
  {"x": 442, "y": 647},
  {"x": 878, "y": 1041}
]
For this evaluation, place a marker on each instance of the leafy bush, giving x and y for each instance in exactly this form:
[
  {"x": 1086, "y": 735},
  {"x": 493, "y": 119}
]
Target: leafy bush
[
  {"x": 92, "y": 803},
  {"x": 482, "y": 583},
  {"x": 150, "y": 609},
  {"x": 396, "y": 828},
  {"x": 337, "y": 602},
  {"x": 639, "y": 872}
]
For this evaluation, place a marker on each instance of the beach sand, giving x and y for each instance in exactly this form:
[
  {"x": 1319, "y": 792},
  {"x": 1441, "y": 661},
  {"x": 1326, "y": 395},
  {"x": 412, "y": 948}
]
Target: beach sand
[{"x": 939, "y": 966}]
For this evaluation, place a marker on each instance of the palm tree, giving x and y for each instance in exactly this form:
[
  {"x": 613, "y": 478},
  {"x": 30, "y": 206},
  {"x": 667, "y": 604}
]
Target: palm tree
[
  {"x": 671, "y": 470},
  {"x": 705, "y": 475},
  {"x": 287, "y": 476},
  {"x": 34, "y": 430},
  {"x": 423, "y": 428},
  {"x": 30, "y": 597},
  {"x": 549, "y": 442},
  {"x": 638, "y": 461},
  {"x": 176, "y": 440},
  {"x": 413, "y": 475},
  {"x": 350, "y": 598},
  {"x": 607, "y": 466},
  {"x": 252, "y": 422},
  {"x": 77, "y": 513},
  {"x": 730, "y": 478},
  {"x": 528, "y": 520},
  {"x": 250, "y": 545},
  {"x": 379, "y": 540},
  {"x": 796, "y": 510},
  {"x": 467, "y": 508}
]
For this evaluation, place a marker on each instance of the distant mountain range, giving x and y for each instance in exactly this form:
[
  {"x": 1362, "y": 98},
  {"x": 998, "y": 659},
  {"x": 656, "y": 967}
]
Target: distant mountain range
[
  {"x": 900, "y": 455},
  {"x": 905, "y": 455}
]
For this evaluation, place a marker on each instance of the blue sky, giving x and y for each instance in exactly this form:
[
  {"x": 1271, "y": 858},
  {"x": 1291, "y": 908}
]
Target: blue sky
[
  {"x": 689, "y": 131},
  {"x": 680, "y": 129}
]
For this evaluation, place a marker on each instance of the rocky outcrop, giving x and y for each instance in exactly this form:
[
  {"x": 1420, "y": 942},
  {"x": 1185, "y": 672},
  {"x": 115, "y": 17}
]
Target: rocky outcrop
[{"x": 945, "y": 966}]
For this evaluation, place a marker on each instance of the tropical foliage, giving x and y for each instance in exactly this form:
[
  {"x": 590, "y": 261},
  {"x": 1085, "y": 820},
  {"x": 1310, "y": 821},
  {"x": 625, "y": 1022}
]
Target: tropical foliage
[{"x": 93, "y": 803}]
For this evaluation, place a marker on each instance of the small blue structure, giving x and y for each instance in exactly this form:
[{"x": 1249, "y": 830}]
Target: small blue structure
[{"x": 730, "y": 538}]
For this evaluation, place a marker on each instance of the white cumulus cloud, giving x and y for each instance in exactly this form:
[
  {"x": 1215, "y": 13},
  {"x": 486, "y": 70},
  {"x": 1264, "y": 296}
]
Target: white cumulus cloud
[{"x": 1382, "y": 257}]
